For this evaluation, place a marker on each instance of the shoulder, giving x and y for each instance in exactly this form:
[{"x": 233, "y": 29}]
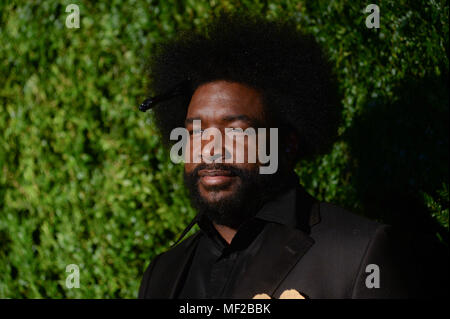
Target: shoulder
[
  {"x": 347, "y": 236},
  {"x": 181, "y": 249},
  {"x": 164, "y": 268},
  {"x": 176, "y": 252},
  {"x": 345, "y": 225},
  {"x": 345, "y": 244},
  {"x": 350, "y": 244}
]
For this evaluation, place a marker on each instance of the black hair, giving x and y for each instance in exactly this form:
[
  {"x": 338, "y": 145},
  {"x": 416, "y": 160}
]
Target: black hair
[{"x": 287, "y": 66}]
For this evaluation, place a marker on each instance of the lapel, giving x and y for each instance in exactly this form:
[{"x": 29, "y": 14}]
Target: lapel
[
  {"x": 281, "y": 248},
  {"x": 176, "y": 261},
  {"x": 182, "y": 266}
]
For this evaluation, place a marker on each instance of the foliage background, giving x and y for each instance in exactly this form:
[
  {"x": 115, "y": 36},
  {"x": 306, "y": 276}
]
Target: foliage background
[{"x": 84, "y": 179}]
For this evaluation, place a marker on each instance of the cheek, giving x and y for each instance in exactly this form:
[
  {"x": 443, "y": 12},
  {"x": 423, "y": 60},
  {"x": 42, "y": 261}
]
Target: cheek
[
  {"x": 241, "y": 150},
  {"x": 193, "y": 150},
  {"x": 189, "y": 168}
]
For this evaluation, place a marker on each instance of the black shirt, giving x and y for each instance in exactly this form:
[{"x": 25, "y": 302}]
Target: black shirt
[{"x": 216, "y": 264}]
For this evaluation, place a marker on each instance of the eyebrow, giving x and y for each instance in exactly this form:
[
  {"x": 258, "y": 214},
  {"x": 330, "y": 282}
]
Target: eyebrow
[
  {"x": 243, "y": 118},
  {"x": 190, "y": 120},
  {"x": 228, "y": 118}
]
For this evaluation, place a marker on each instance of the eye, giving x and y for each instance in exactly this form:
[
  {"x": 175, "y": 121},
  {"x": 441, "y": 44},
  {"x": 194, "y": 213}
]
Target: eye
[
  {"x": 238, "y": 130},
  {"x": 235, "y": 130}
]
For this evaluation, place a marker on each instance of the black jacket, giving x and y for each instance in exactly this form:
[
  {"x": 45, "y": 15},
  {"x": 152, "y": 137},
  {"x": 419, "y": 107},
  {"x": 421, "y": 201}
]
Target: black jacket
[{"x": 320, "y": 250}]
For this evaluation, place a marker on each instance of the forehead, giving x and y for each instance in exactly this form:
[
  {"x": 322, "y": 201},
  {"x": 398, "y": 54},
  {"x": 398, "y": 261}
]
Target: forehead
[{"x": 217, "y": 100}]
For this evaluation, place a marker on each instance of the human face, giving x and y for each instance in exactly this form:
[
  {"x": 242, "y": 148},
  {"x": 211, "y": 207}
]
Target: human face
[{"x": 221, "y": 105}]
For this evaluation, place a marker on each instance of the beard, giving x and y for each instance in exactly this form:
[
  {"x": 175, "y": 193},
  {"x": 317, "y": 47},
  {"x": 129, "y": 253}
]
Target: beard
[{"x": 252, "y": 193}]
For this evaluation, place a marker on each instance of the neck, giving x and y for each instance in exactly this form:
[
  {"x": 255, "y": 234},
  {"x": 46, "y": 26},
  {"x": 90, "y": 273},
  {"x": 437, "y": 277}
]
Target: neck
[{"x": 226, "y": 232}]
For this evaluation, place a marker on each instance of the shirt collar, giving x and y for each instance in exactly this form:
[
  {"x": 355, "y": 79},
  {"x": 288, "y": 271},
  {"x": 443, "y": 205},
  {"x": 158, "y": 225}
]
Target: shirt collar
[
  {"x": 294, "y": 207},
  {"x": 281, "y": 210}
]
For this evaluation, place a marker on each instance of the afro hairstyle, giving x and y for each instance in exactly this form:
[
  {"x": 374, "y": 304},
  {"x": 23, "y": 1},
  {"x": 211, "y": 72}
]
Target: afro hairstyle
[{"x": 286, "y": 66}]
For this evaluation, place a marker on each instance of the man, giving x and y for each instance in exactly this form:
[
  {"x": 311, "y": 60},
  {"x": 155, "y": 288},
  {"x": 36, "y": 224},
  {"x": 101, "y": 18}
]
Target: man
[{"x": 260, "y": 234}]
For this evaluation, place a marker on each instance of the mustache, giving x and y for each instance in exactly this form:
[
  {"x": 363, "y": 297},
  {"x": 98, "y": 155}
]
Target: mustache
[{"x": 234, "y": 171}]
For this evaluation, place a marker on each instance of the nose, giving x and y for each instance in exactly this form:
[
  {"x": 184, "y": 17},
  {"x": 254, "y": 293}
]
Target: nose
[{"x": 217, "y": 155}]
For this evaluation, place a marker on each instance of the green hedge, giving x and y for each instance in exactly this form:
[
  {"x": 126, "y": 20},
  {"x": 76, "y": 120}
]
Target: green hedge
[{"x": 84, "y": 179}]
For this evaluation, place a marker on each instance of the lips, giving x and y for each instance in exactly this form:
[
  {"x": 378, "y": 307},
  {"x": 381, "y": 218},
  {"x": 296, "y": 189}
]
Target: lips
[
  {"x": 213, "y": 172},
  {"x": 215, "y": 177}
]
